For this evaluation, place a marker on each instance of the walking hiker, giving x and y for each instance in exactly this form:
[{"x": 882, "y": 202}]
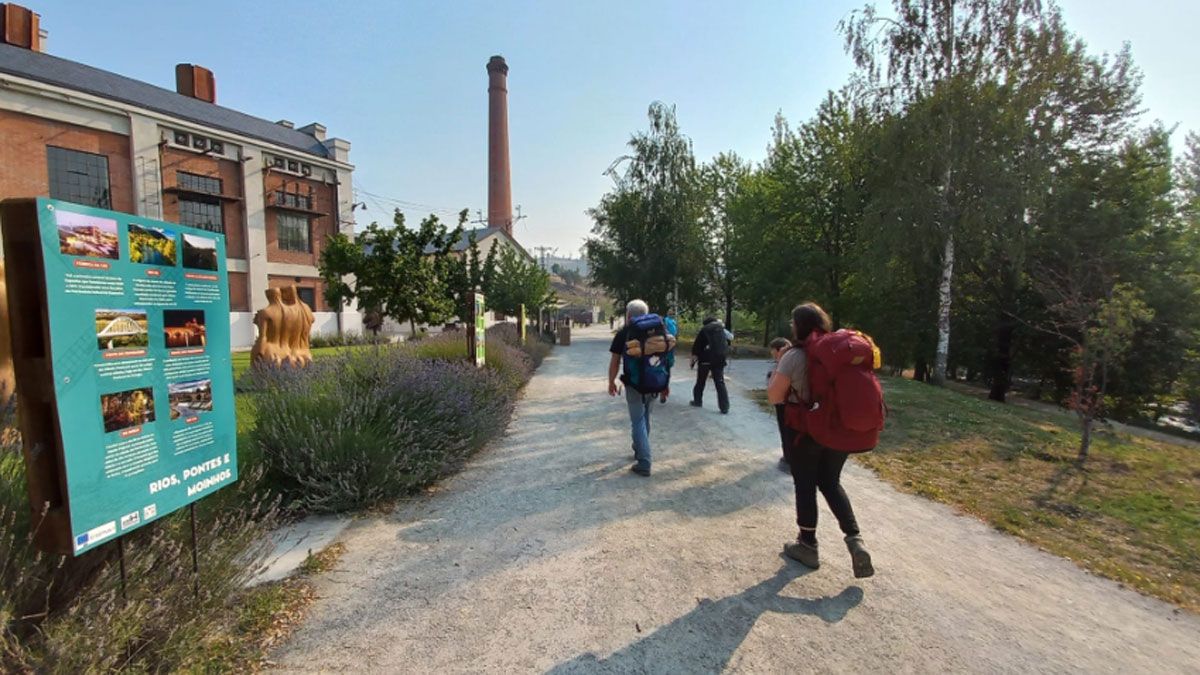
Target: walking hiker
[
  {"x": 642, "y": 351},
  {"x": 833, "y": 407},
  {"x": 778, "y": 347},
  {"x": 711, "y": 350}
]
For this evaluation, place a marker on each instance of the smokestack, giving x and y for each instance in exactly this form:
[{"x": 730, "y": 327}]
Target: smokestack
[{"x": 499, "y": 180}]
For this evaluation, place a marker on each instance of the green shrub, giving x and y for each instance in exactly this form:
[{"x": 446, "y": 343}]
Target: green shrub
[
  {"x": 359, "y": 428},
  {"x": 347, "y": 340}
]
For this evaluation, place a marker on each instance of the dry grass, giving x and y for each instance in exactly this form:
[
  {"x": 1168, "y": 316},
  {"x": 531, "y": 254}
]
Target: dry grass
[
  {"x": 1130, "y": 514},
  {"x": 268, "y": 614}
]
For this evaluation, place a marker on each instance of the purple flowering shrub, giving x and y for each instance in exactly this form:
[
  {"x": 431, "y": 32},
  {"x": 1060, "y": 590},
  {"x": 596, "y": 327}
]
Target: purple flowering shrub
[{"x": 371, "y": 425}]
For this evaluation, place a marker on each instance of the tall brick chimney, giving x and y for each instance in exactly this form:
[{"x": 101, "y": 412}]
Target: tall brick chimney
[
  {"x": 500, "y": 212},
  {"x": 196, "y": 81},
  {"x": 21, "y": 27}
]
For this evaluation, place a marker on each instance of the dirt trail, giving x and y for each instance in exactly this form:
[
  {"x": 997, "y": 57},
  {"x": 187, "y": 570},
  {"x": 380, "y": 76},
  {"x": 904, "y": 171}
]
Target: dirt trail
[{"x": 547, "y": 555}]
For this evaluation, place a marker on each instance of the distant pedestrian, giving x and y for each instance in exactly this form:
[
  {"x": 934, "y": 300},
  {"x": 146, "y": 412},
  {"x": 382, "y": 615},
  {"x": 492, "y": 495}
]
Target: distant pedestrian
[
  {"x": 815, "y": 466},
  {"x": 710, "y": 351},
  {"x": 641, "y": 351},
  {"x": 778, "y": 347}
]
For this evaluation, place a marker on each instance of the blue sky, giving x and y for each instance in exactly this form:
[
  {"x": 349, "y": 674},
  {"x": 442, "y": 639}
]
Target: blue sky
[{"x": 405, "y": 83}]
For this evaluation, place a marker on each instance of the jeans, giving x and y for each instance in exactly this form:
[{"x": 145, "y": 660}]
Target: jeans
[
  {"x": 815, "y": 467},
  {"x": 639, "y": 422},
  {"x": 718, "y": 376}
]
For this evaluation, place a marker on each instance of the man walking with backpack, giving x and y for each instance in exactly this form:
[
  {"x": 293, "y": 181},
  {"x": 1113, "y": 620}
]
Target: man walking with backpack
[
  {"x": 644, "y": 349},
  {"x": 711, "y": 350}
]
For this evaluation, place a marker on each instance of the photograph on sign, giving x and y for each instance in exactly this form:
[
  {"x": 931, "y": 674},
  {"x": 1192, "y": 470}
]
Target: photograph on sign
[
  {"x": 184, "y": 327},
  {"x": 122, "y": 328},
  {"x": 199, "y": 253},
  {"x": 151, "y": 245},
  {"x": 124, "y": 409},
  {"x": 190, "y": 398},
  {"x": 83, "y": 235}
]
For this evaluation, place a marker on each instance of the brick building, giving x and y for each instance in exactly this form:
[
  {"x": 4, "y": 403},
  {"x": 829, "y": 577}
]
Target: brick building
[{"x": 78, "y": 133}]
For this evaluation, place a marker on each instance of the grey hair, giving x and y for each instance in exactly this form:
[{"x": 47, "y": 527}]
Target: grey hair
[{"x": 636, "y": 308}]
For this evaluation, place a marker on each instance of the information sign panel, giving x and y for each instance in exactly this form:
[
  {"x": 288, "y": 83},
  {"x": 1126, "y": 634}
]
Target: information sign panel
[
  {"x": 480, "y": 329},
  {"x": 138, "y": 317}
]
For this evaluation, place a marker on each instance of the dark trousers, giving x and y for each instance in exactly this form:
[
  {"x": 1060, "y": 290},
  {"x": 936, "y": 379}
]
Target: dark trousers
[
  {"x": 815, "y": 467},
  {"x": 783, "y": 431},
  {"x": 718, "y": 377}
]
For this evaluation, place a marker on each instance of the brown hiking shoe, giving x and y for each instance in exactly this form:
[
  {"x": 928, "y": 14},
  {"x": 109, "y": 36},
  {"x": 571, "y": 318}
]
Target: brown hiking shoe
[
  {"x": 805, "y": 554},
  {"x": 860, "y": 557}
]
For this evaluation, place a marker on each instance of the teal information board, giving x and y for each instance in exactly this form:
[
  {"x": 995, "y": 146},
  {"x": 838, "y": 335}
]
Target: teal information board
[{"x": 139, "y": 342}]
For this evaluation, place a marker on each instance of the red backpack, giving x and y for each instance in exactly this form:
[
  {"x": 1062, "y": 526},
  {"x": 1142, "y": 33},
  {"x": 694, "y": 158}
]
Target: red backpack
[{"x": 845, "y": 410}]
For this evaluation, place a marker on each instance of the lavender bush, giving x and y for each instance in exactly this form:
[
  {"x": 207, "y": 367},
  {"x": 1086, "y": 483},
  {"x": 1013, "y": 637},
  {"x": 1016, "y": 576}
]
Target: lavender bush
[{"x": 366, "y": 426}]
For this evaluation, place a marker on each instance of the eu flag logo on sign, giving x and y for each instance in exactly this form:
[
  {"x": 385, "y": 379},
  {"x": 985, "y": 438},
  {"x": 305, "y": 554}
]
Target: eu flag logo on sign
[{"x": 81, "y": 540}]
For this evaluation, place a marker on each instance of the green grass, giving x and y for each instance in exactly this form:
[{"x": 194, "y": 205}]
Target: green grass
[
  {"x": 1130, "y": 513},
  {"x": 241, "y": 360}
]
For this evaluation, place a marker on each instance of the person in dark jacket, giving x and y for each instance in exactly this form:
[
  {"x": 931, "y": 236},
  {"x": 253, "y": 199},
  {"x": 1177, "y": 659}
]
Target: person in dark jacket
[{"x": 710, "y": 350}]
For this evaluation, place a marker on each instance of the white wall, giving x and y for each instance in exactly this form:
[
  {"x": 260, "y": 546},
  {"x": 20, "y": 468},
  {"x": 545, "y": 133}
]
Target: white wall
[
  {"x": 326, "y": 323},
  {"x": 241, "y": 330}
]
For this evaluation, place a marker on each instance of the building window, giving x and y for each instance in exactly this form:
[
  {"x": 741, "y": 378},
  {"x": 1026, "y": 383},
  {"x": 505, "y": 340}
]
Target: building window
[
  {"x": 79, "y": 177},
  {"x": 194, "y": 182},
  {"x": 201, "y": 212},
  {"x": 293, "y": 232},
  {"x": 308, "y": 296},
  {"x": 293, "y": 201}
]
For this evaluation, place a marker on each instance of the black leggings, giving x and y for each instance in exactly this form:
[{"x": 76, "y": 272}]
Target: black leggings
[{"x": 815, "y": 467}]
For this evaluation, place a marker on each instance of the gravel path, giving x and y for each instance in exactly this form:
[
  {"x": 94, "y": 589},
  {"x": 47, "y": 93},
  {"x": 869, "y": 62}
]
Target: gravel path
[{"x": 547, "y": 555}]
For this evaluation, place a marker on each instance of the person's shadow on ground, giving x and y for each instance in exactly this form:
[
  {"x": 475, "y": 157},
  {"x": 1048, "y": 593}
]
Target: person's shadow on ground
[{"x": 705, "y": 639}]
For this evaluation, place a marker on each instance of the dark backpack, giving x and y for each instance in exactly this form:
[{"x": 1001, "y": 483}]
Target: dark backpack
[
  {"x": 718, "y": 344},
  {"x": 648, "y": 373}
]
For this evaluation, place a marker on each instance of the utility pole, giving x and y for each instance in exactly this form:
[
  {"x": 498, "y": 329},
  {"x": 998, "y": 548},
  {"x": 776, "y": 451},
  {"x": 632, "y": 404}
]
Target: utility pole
[{"x": 542, "y": 251}]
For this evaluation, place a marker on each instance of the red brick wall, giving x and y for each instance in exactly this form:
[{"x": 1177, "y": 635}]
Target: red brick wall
[
  {"x": 279, "y": 281},
  {"x": 239, "y": 297},
  {"x": 23, "y": 173},
  {"x": 321, "y": 226},
  {"x": 174, "y": 160}
]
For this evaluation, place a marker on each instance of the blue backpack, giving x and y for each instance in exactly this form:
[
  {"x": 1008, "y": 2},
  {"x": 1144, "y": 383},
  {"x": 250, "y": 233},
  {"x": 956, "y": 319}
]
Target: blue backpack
[{"x": 647, "y": 373}]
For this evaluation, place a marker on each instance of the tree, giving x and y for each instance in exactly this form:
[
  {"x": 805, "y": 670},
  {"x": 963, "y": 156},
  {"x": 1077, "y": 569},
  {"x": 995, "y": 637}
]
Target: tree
[
  {"x": 647, "y": 239},
  {"x": 939, "y": 50},
  {"x": 395, "y": 272},
  {"x": 720, "y": 180},
  {"x": 512, "y": 280},
  {"x": 466, "y": 274},
  {"x": 1099, "y": 269}
]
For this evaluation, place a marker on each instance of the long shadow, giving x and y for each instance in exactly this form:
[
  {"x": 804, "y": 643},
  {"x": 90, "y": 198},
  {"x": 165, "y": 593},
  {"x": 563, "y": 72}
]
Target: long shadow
[{"x": 706, "y": 638}]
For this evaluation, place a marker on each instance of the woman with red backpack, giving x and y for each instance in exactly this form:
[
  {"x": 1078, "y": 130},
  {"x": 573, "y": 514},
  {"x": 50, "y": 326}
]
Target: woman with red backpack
[{"x": 804, "y": 382}]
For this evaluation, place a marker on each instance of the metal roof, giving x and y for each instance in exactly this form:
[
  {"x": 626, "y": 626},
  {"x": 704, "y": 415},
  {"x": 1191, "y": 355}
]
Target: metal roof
[{"x": 79, "y": 77}]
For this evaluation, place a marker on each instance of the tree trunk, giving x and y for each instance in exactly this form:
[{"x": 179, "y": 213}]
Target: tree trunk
[
  {"x": 728, "y": 308},
  {"x": 943, "y": 323},
  {"x": 766, "y": 328},
  {"x": 919, "y": 369},
  {"x": 1000, "y": 367},
  {"x": 947, "y": 217},
  {"x": 1085, "y": 439},
  {"x": 412, "y": 324}
]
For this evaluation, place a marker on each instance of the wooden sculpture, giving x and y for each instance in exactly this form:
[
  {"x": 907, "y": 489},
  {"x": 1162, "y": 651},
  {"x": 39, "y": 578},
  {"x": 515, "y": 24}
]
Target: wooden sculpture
[{"x": 283, "y": 330}]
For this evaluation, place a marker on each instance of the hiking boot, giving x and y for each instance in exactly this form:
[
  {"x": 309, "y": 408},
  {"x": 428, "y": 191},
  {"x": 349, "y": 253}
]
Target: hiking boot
[
  {"x": 640, "y": 470},
  {"x": 860, "y": 557},
  {"x": 696, "y": 404},
  {"x": 805, "y": 554}
]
